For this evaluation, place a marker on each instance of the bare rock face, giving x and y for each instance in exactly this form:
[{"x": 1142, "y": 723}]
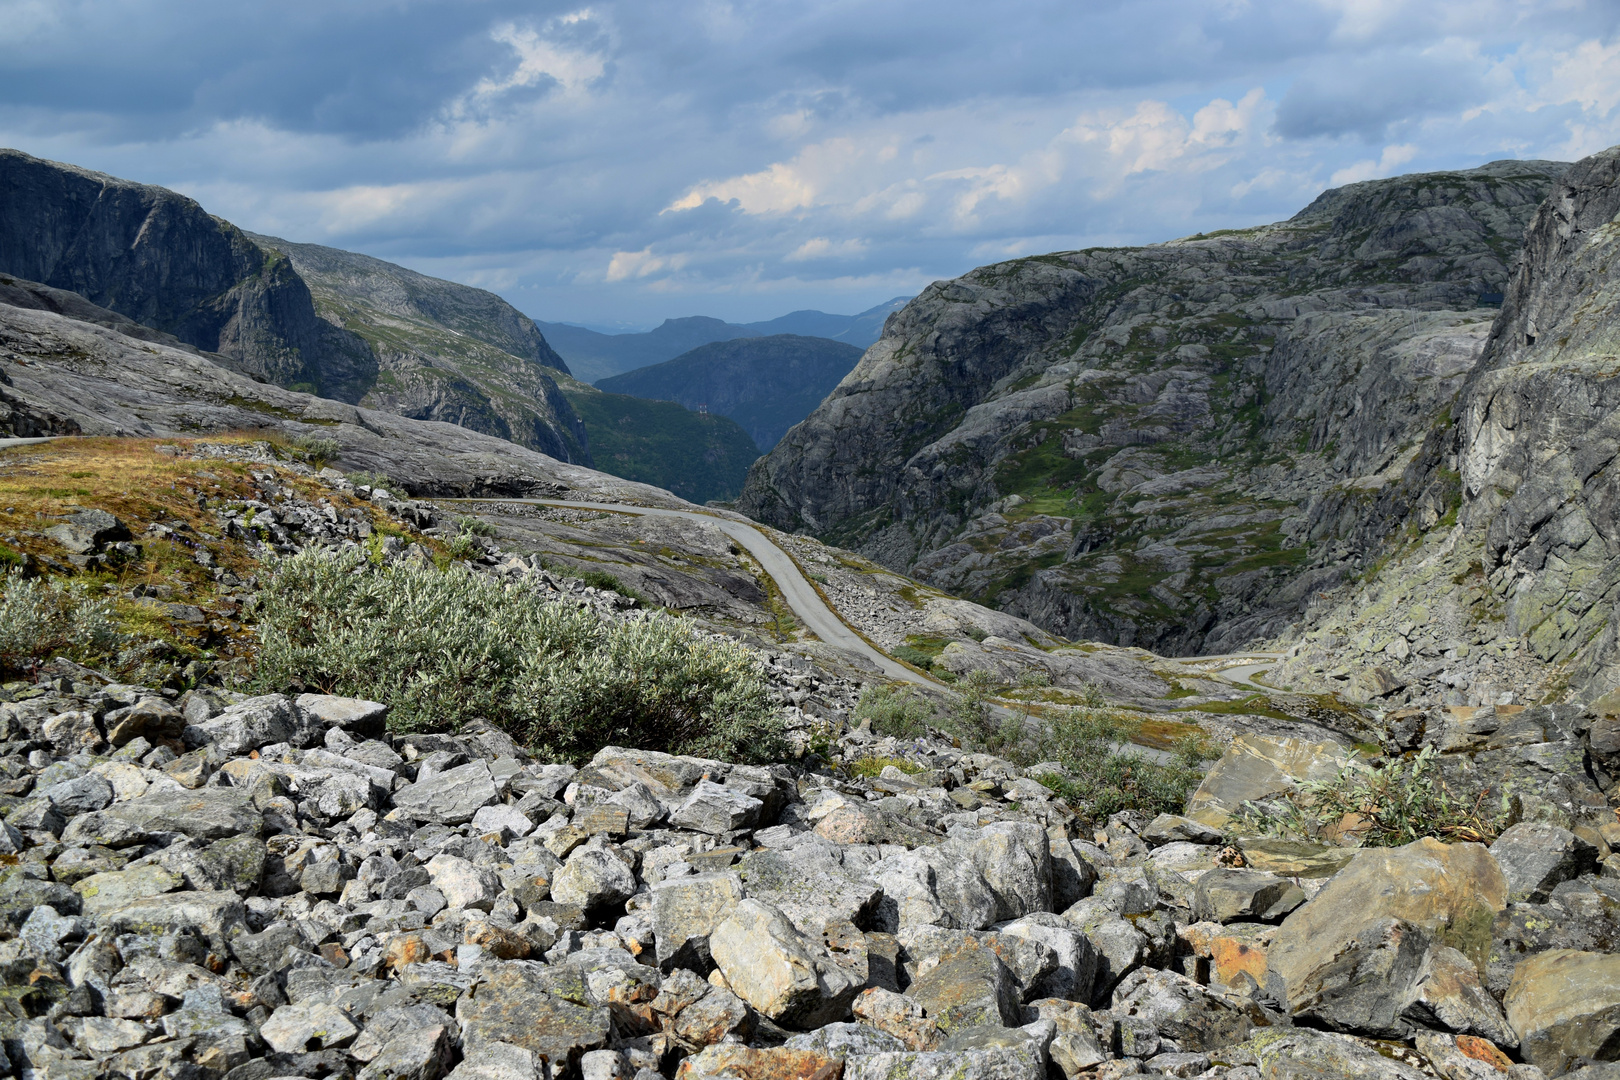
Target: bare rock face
[
  {"x": 344, "y": 326},
  {"x": 1135, "y": 445}
]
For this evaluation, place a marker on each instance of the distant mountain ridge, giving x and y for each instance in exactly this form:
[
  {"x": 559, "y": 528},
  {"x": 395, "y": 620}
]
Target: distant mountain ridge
[
  {"x": 592, "y": 356},
  {"x": 766, "y": 384}
]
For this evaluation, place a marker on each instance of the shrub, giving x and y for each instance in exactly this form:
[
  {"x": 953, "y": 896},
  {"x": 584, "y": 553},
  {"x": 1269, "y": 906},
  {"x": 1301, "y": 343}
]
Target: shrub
[
  {"x": 319, "y": 449},
  {"x": 42, "y": 618},
  {"x": 1101, "y": 777},
  {"x": 1385, "y": 806},
  {"x": 913, "y": 656},
  {"x": 468, "y": 525},
  {"x": 461, "y": 546},
  {"x": 1034, "y": 678},
  {"x": 894, "y": 710},
  {"x": 369, "y": 479},
  {"x": 442, "y": 647},
  {"x": 975, "y": 720}
]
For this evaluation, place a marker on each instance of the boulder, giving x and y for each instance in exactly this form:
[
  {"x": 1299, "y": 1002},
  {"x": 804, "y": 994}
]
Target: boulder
[
  {"x": 1173, "y": 828},
  {"x": 593, "y": 878},
  {"x": 113, "y": 889},
  {"x": 1535, "y": 857},
  {"x": 969, "y": 987},
  {"x": 1180, "y": 1009},
  {"x": 361, "y": 718},
  {"x": 1259, "y": 767},
  {"x": 714, "y": 809},
  {"x": 206, "y": 814},
  {"x": 1450, "y": 997},
  {"x": 1014, "y": 858},
  {"x": 685, "y": 912},
  {"x": 1075, "y": 973},
  {"x": 1352, "y": 957},
  {"x": 768, "y": 1063},
  {"x": 462, "y": 884},
  {"x": 998, "y": 1054},
  {"x": 512, "y": 1004},
  {"x": 783, "y": 974},
  {"x": 809, "y": 885},
  {"x": 1565, "y": 1005},
  {"x": 450, "y": 797},
  {"x": 1225, "y": 895},
  {"x": 1303, "y": 1054},
  {"x": 255, "y": 722},
  {"x": 1075, "y": 1049}
]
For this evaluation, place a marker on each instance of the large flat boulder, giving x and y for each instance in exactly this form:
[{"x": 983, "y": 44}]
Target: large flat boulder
[
  {"x": 205, "y": 814},
  {"x": 1259, "y": 767},
  {"x": 1564, "y": 1005}
]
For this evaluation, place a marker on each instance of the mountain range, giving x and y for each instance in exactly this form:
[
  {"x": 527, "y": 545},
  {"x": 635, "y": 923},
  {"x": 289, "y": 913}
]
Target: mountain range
[{"x": 593, "y": 356}]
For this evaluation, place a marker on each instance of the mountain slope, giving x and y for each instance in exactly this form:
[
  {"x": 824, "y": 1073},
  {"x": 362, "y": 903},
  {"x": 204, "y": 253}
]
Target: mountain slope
[
  {"x": 376, "y": 333},
  {"x": 594, "y": 356},
  {"x": 1135, "y": 445},
  {"x": 697, "y": 456},
  {"x": 443, "y": 351},
  {"x": 766, "y": 384}
]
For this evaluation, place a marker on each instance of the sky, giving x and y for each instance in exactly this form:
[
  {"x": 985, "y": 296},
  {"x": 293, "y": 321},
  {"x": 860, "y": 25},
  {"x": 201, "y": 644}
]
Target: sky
[{"x": 618, "y": 163}]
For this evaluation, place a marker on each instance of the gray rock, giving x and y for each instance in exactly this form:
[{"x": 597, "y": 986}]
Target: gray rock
[
  {"x": 714, "y": 809},
  {"x": 810, "y": 885},
  {"x": 593, "y": 878},
  {"x": 87, "y": 531},
  {"x": 417, "y": 1054},
  {"x": 1224, "y": 895},
  {"x": 1172, "y": 828},
  {"x": 1565, "y": 1005},
  {"x": 451, "y": 797},
  {"x": 501, "y": 1061},
  {"x": 363, "y": 719},
  {"x": 1075, "y": 974},
  {"x": 80, "y": 795},
  {"x": 1450, "y": 997},
  {"x": 207, "y": 814},
  {"x": 1535, "y": 857},
  {"x": 511, "y": 1005},
  {"x": 968, "y": 988},
  {"x": 1074, "y": 1049},
  {"x": 1180, "y": 1009},
  {"x": 685, "y": 911},
  {"x": 842, "y": 1040},
  {"x": 255, "y": 723},
  {"x": 783, "y": 974},
  {"x": 462, "y": 884},
  {"x": 1014, "y": 858},
  {"x": 295, "y": 1029}
]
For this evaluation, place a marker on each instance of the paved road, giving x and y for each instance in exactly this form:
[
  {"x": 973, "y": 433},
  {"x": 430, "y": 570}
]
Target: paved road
[
  {"x": 796, "y": 589},
  {"x": 4, "y": 443}
]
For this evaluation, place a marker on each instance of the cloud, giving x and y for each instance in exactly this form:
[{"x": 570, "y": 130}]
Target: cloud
[
  {"x": 1369, "y": 169},
  {"x": 630, "y": 160}
]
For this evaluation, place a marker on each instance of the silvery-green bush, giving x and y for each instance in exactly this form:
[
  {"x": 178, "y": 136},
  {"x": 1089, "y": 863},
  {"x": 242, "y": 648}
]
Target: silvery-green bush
[
  {"x": 441, "y": 647},
  {"x": 41, "y": 618}
]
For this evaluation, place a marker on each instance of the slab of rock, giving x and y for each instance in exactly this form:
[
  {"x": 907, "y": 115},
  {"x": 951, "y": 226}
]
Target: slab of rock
[
  {"x": 81, "y": 795},
  {"x": 782, "y": 973},
  {"x": 809, "y": 885},
  {"x": 296, "y": 1029},
  {"x": 1564, "y": 1005},
  {"x": 512, "y": 1005},
  {"x": 451, "y": 797},
  {"x": 592, "y": 878},
  {"x": 1352, "y": 957},
  {"x": 1180, "y": 1009},
  {"x": 1075, "y": 1048},
  {"x": 714, "y": 809},
  {"x": 87, "y": 530},
  {"x": 252, "y": 724},
  {"x": 151, "y": 718},
  {"x": 462, "y": 884},
  {"x": 685, "y": 911},
  {"x": 968, "y": 988},
  {"x": 1451, "y": 997},
  {"x": 1075, "y": 974},
  {"x": 1535, "y": 857},
  {"x": 1303, "y": 1054},
  {"x": 361, "y": 718},
  {"x": 772, "y": 1063},
  {"x": 206, "y": 814},
  {"x": 980, "y": 1054},
  {"x": 106, "y": 891},
  {"x": 1173, "y": 828},
  {"x": 1015, "y": 860},
  {"x": 1258, "y": 767},
  {"x": 1225, "y": 895},
  {"x": 217, "y": 916}
]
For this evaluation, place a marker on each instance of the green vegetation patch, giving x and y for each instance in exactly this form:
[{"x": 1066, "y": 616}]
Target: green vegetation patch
[{"x": 696, "y": 456}]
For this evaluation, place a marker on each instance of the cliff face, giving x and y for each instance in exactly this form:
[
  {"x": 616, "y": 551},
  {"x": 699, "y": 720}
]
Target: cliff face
[
  {"x": 442, "y": 351},
  {"x": 408, "y": 344},
  {"x": 1517, "y": 502},
  {"x": 1162, "y": 446}
]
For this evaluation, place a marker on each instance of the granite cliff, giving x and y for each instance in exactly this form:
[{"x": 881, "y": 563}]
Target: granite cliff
[
  {"x": 312, "y": 319},
  {"x": 1164, "y": 446}
]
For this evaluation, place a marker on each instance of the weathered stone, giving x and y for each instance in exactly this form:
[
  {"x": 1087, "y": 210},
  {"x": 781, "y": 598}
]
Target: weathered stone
[
  {"x": 686, "y": 910},
  {"x": 209, "y": 814},
  {"x": 1075, "y": 973},
  {"x": 1351, "y": 957},
  {"x": 1014, "y": 859},
  {"x": 417, "y": 1054},
  {"x": 511, "y": 1005},
  {"x": 254, "y": 723},
  {"x": 1303, "y": 1054},
  {"x": 1565, "y": 1005},
  {"x": 787, "y": 976},
  {"x": 1001, "y": 1054},
  {"x": 507, "y": 820},
  {"x": 87, "y": 531},
  {"x": 215, "y": 916},
  {"x": 501, "y": 1061},
  {"x": 1259, "y": 767},
  {"x": 151, "y": 718},
  {"x": 462, "y": 884},
  {"x": 1075, "y": 1048},
  {"x": 714, "y": 809},
  {"x": 1535, "y": 857},
  {"x": 1449, "y": 996},
  {"x": 1224, "y": 895},
  {"x": 20, "y": 895},
  {"x": 717, "y": 1015},
  {"x": 104, "y": 892},
  {"x": 1180, "y": 1009},
  {"x": 363, "y": 719},
  {"x": 295, "y": 1029},
  {"x": 451, "y": 797},
  {"x": 593, "y": 878},
  {"x": 1172, "y": 828},
  {"x": 809, "y": 885},
  {"x": 79, "y": 795},
  {"x": 72, "y": 732},
  {"x": 967, "y": 988},
  {"x": 1121, "y": 946},
  {"x": 746, "y": 1063}
]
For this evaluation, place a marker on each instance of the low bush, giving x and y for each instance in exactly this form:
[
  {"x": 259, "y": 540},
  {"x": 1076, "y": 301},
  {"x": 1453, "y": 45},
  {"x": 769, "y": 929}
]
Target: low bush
[
  {"x": 1101, "y": 776},
  {"x": 317, "y": 449},
  {"x": 915, "y": 657},
  {"x": 369, "y": 479},
  {"x": 42, "y": 618},
  {"x": 895, "y": 710},
  {"x": 468, "y": 525},
  {"x": 1384, "y": 805},
  {"x": 443, "y": 646}
]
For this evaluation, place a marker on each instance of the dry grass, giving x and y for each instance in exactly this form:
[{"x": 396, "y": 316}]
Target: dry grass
[{"x": 129, "y": 479}]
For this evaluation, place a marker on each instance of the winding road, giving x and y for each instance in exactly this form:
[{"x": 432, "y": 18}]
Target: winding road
[{"x": 800, "y": 595}]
